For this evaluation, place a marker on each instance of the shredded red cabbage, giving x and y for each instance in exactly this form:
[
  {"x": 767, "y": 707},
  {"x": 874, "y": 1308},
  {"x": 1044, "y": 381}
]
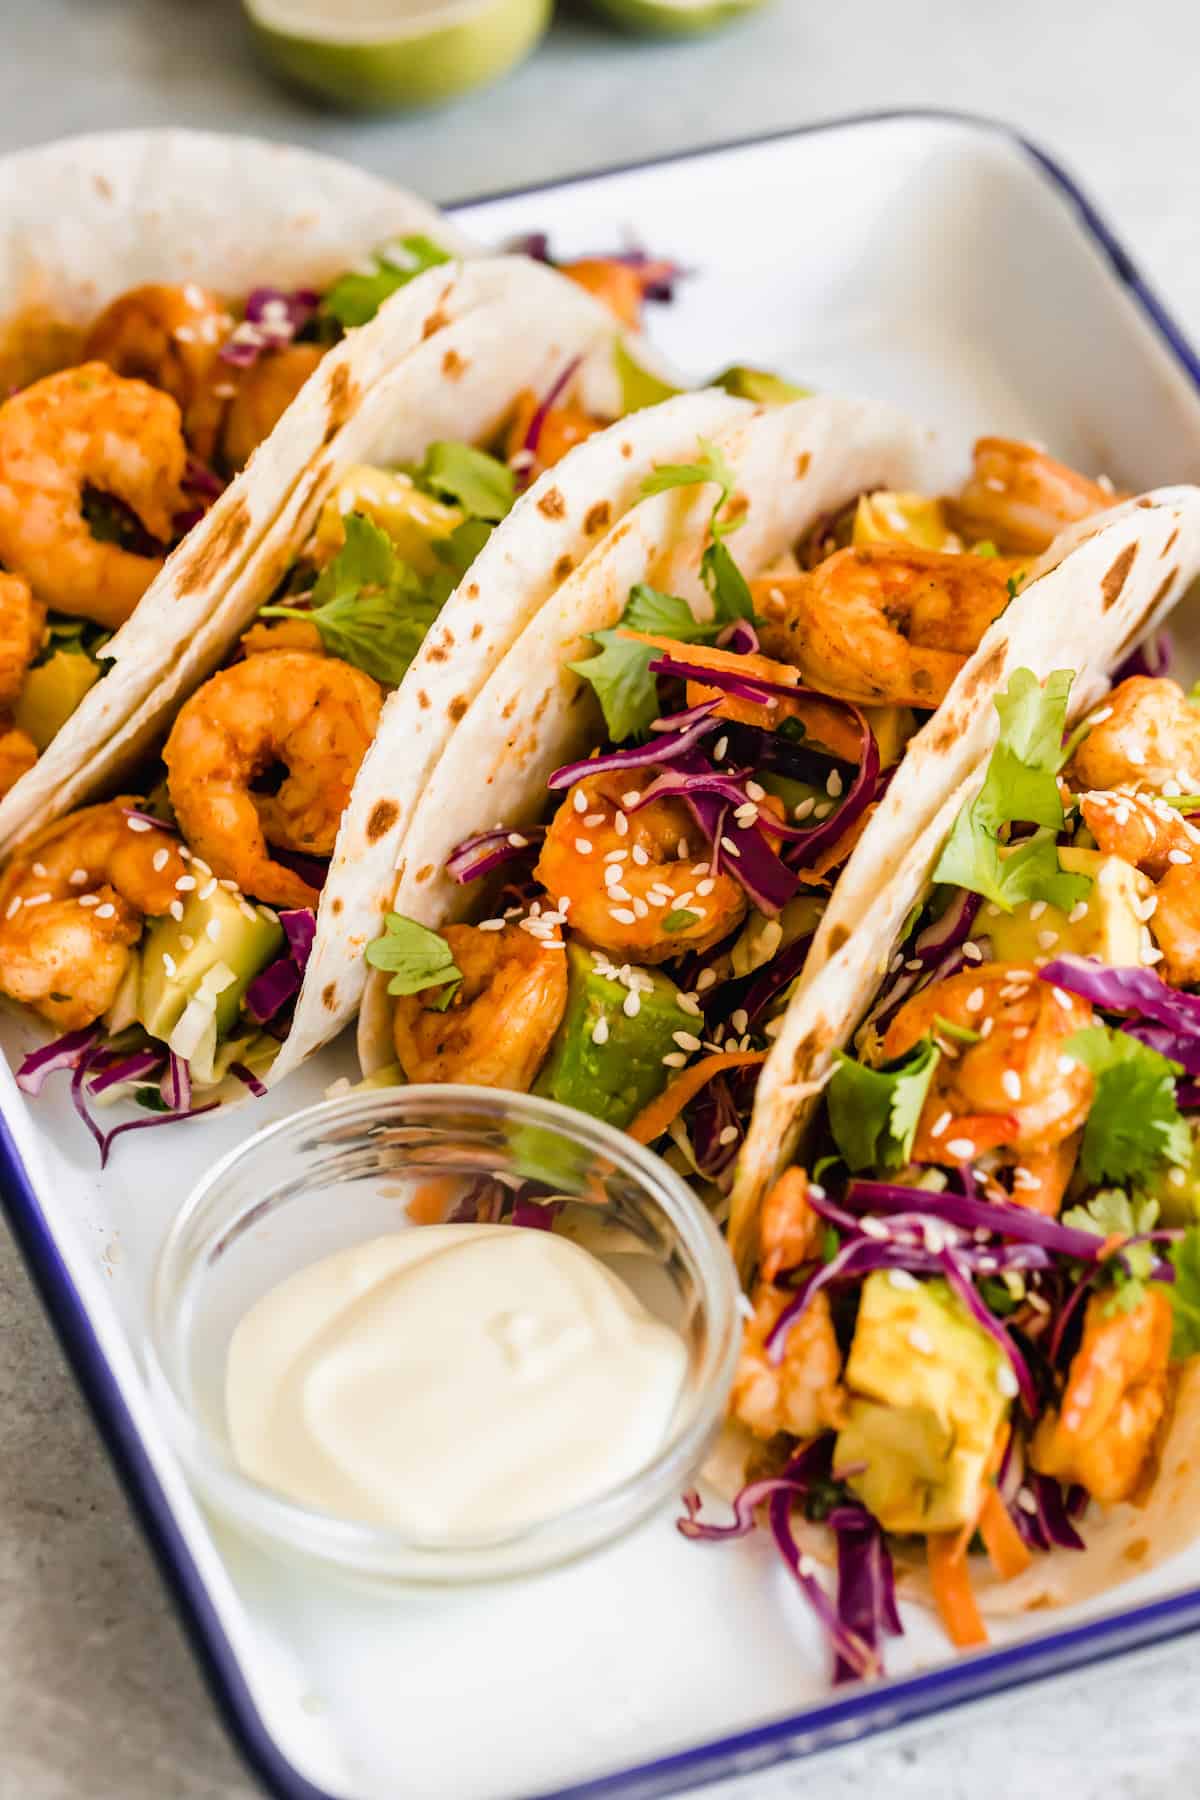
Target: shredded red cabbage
[
  {"x": 271, "y": 990},
  {"x": 851, "y": 1653},
  {"x": 534, "y": 1215},
  {"x": 121, "y": 1069},
  {"x": 949, "y": 932},
  {"x": 533, "y": 435},
  {"x": 201, "y": 479},
  {"x": 65, "y": 1052},
  {"x": 273, "y": 319},
  {"x": 769, "y": 982},
  {"x": 312, "y": 869},
  {"x": 1018, "y": 1223},
  {"x": 478, "y": 856},
  {"x": 248, "y": 1079},
  {"x": 866, "y": 1587},
  {"x": 177, "y": 1083},
  {"x": 1153, "y": 657},
  {"x": 712, "y": 1114},
  {"x": 740, "y": 637},
  {"x": 986, "y": 1319},
  {"x": 687, "y": 730},
  {"x": 300, "y": 929},
  {"x": 1043, "y": 1520},
  {"x": 1138, "y": 991}
]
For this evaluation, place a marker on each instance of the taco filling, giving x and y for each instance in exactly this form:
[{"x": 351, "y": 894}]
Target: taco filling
[
  {"x": 635, "y": 947},
  {"x": 971, "y": 1300}
]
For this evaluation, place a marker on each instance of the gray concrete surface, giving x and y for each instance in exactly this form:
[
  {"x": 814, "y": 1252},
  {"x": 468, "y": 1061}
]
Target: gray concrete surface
[{"x": 99, "y": 1699}]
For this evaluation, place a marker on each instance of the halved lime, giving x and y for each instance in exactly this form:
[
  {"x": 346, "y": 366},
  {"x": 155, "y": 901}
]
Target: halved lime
[
  {"x": 368, "y": 54},
  {"x": 678, "y": 18}
]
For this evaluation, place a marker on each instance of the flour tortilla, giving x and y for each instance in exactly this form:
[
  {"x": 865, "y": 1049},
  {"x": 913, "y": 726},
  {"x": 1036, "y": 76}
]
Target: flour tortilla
[
  {"x": 792, "y": 464},
  {"x": 1095, "y": 593},
  {"x": 84, "y": 219}
]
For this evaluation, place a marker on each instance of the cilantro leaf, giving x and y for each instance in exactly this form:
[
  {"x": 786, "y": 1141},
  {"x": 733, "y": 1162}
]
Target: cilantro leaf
[
  {"x": 1184, "y": 1294},
  {"x": 620, "y": 675},
  {"x": 356, "y": 297},
  {"x": 720, "y": 574},
  {"x": 873, "y": 1113},
  {"x": 1134, "y": 1122},
  {"x": 369, "y": 607},
  {"x": 1113, "y": 1210},
  {"x": 416, "y": 958},
  {"x": 731, "y": 596},
  {"x": 711, "y": 465},
  {"x": 481, "y": 484},
  {"x": 1021, "y": 784}
]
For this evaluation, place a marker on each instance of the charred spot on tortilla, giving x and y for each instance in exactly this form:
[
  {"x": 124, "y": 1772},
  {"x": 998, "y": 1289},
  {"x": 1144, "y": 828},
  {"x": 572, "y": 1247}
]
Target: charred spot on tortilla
[
  {"x": 435, "y": 653},
  {"x": 437, "y": 321},
  {"x": 425, "y": 873},
  {"x": 472, "y": 590},
  {"x": 627, "y": 451},
  {"x": 476, "y": 630},
  {"x": 103, "y": 186},
  {"x": 597, "y": 517},
  {"x": 737, "y": 506},
  {"x": 552, "y": 504},
  {"x": 562, "y": 568},
  {"x": 988, "y": 671},
  {"x": 335, "y": 905},
  {"x": 1137, "y": 1550},
  {"x": 1118, "y": 574},
  {"x": 507, "y": 711},
  {"x": 1164, "y": 587},
  {"x": 1170, "y": 541},
  {"x": 342, "y": 397},
  {"x": 1147, "y": 502},
  {"x": 218, "y": 545},
  {"x": 384, "y": 814},
  {"x": 803, "y": 464},
  {"x": 329, "y": 996},
  {"x": 839, "y": 935},
  {"x": 453, "y": 365},
  {"x": 458, "y": 707},
  {"x": 423, "y": 700}
]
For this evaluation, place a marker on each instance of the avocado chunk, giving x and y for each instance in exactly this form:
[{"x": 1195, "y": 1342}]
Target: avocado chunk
[
  {"x": 222, "y": 933},
  {"x": 51, "y": 693},
  {"x": 893, "y": 518},
  {"x": 1177, "y": 1189},
  {"x": 414, "y": 521},
  {"x": 1110, "y": 927},
  {"x": 759, "y": 385},
  {"x": 892, "y": 726},
  {"x": 615, "y": 1077},
  {"x": 925, "y": 1405}
]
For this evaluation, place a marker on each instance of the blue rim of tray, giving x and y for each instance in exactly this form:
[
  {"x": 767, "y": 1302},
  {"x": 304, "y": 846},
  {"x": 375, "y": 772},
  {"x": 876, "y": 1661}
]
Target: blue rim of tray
[{"x": 840, "y": 1720}]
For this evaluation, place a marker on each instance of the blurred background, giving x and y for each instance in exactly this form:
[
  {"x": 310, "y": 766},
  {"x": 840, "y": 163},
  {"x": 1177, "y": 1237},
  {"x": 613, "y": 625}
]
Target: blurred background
[{"x": 99, "y": 1698}]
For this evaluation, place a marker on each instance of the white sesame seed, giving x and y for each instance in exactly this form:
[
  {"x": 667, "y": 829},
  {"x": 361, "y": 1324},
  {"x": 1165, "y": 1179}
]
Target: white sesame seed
[
  {"x": 78, "y": 877},
  {"x": 106, "y": 911},
  {"x": 1037, "y": 909},
  {"x": 746, "y": 814},
  {"x": 682, "y": 850},
  {"x": 1026, "y": 1501},
  {"x": 615, "y": 856},
  {"x": 621, "y": 825},
  {"x": 902, "y": 1279},
  {"x": 84, "y": 900},
  {"x": 176, "y": 910},
  {"x": 1078, "y": 912},
  {"x": 1172, "y": 787},
  {"x": 675, "y": 1059},
  {"x": 40, "y": 869},
  {"x": 739, "y": 1020},
  {"x": 169, "y": 964},
  {"x": 1047, "y": 939},
  {"x": 631, "y": 797},
  {"x": 873, "y": 1228},
  {"x": 687, "y": 1040},
  {"x": 247, "y": 911},
  {"x": 802, "y": 808},
  {"x": 940, "y": 1123},
  {"x": 186, "y": 942},
  {"x": 517, "y": 841},
  {"x": 1010, "y": 1081},
  {"x": 14, "y": 906},
  {"x": 834, "y": 784},
  {"x": 914, "y": 964},
  {"x": 729, "y": 1135},
  {"x": 920, "y": 1340},
  {"x": 617, "y": 892},
  {"x": 1146, "y": 909},
  {"x": 640, "y": 856},
  {"x": 729, "y": 847},
  {"x": 1062, "y": 998},
  {"x": 1151, "y": 956},
  {"x": 823, "y": 810},
  {"x": 584, "y": 846},
  {"x": 213, "y": 930},
  {"x": 622, "y": 915},
  {"x": 1007, "y": 1382},
  {"x": 975, "y": 1000},
  {"x": 1176, "y": 1177},
  {"x": 986, "y": 1028},
  {"x": 705, "y": 979},
  {"x": 719, "y": 749},
  {"x": 1179, "y": 857},
  {"x": 1136, "y": 756},
  {"x": 580, "y": 801},
  {"x": 613, "y": 872},
  {"x": 755, "y": 792},
  {"x": 185, "y": 884},
  {"x": 1066, "y": 1065},
  {"x": 960, "y": 1148},
  {"x": 1098, "y": 718},
  {"x": 972, "y": 952},
  {"x": 640, "y": 907}
]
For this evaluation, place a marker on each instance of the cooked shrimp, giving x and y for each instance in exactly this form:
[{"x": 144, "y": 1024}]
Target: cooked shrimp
[
  {"x": 316, "y": 716},
  {"x": 1145, "y": 735},
  {"x": 170, "y": 336},
  {"x": 883, "y": 625},
  {"x": 624, "y": 873},
  {"x": 561, "y": 429},
  {"x": 264, "y": 392},
  {"x": 1175, "y": 923},
  {"x": 1020, "y": 498},
  {"x": 86, "y": 430},
  {"x": 1115, "y": 1397},
  {"x": 501, "y": 1022},
  {"x": 72, "y": 901},
  {"x": 18, "y": 753},
  {"x": 789, "y": 1230},
  {"x": 22, "y": 625},
  {"x": 1011, "y": 1088},
  {"x": 1141, "y": 829},
  {"x": 801, "y": 1394}
]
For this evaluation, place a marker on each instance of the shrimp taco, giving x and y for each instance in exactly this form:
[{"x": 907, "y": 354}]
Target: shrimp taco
[
  {"x": 177, "y": 934},
  {"x": 146, "y": 352},
  {"x": 968, "y": 1205},
  {"x": 609, "y": 898}
]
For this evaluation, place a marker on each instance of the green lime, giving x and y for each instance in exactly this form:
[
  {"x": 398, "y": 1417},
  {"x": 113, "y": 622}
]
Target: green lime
[
  {"x": 368, "y": 54},
  {"x": 679, "y": 18}
]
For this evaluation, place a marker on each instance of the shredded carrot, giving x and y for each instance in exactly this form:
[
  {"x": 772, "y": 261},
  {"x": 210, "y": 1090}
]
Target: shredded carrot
[
  {"x": 1008, "y": 1550},
  {"x": 835, "y": 854},
  {"x": 952, "y": 1591},
  {"x": 653, "y": 1120},
  {"x": 430, "y": 1201}
]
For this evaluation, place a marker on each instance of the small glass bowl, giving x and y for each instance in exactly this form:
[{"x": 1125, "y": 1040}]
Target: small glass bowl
[{"x": 343, "y": 1172}]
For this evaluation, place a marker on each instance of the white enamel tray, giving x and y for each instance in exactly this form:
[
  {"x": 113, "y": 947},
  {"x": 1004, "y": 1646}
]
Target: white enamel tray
[{"x": 934, "y": 261}]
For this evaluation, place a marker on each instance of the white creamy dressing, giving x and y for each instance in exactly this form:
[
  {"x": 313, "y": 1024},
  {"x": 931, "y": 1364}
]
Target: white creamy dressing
[{"x": 451, "y": 1381}]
